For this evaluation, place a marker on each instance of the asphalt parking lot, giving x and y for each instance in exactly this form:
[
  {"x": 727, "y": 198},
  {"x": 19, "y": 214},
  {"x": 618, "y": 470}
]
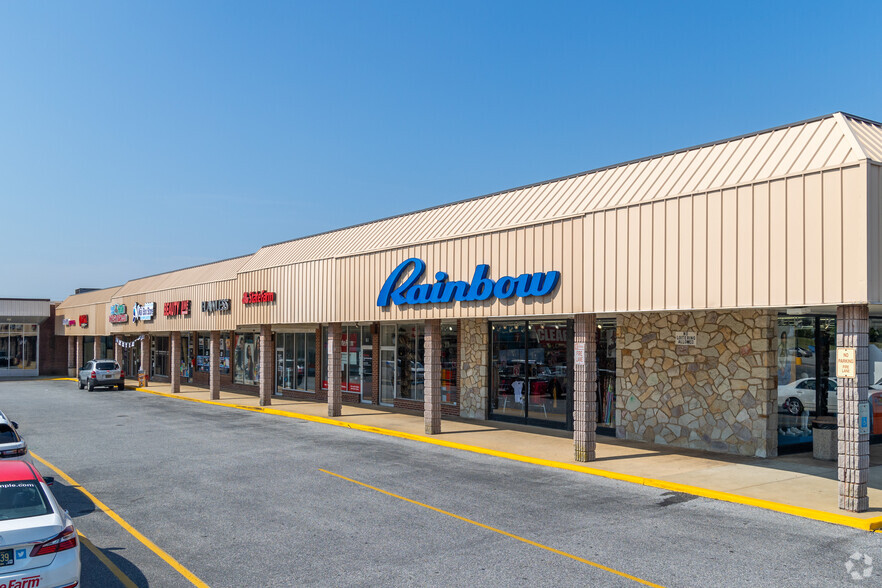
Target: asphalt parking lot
[{"x": 237, "y": 498}]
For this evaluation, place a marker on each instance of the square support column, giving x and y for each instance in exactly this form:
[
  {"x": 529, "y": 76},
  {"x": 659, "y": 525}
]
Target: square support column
[
  {"x": 267, "y": 373},
  {"x": 174, "y": 369},
  {"x": 432, "y": 377},
  {"x": 117, "y": 352},
  {"x": 80, "y": 355},
  {"x": 335, "y": 395},
  {"x": 214, "y": 366},
  {"x": 585, "y": 387},
  {"x": 852, "y": 330},
  {"x": 375, "y": 351},
  {"x": 96, "y": 347},
  {"x": 72, "y": 357},
  {"x": 145, "y": 355}
]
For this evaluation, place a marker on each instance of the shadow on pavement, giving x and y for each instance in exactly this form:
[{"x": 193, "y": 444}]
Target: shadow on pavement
[{"x": 94, "y": 571}]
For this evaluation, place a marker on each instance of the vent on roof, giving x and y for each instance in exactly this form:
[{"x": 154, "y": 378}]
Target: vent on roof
[{"x": 84, "y": 290}]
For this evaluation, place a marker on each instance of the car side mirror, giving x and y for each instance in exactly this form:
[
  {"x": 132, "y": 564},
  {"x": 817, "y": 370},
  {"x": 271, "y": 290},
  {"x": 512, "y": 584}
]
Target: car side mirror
[
  {"x": 14, "y": 424},
  {"x": 50, "y": 480}
]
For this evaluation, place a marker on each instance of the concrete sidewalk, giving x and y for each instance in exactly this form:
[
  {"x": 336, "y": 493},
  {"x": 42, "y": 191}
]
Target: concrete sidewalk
[{"x": 797, "y": 484}]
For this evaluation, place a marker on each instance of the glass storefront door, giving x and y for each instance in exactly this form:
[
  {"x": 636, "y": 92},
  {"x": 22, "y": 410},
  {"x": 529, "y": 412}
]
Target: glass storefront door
[
  {"x": 530, "y": 372},
  {"x": 387, "y": 364}
]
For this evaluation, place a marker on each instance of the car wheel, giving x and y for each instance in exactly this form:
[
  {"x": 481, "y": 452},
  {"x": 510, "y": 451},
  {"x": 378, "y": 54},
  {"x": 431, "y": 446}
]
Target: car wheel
[
  {"x": 793, "y": 406},
  {"x": 91, "y": 386},
  {"x": 80, "y": 384}
]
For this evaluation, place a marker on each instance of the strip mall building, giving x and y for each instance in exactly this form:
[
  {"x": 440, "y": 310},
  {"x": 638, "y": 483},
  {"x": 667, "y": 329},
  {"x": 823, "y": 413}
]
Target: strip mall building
[{"x": 692, "y": 299}]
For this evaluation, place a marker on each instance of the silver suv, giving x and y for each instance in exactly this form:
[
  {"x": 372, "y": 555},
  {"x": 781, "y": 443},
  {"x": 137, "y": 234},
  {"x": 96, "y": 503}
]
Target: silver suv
[{"x": 101, "y": 373}]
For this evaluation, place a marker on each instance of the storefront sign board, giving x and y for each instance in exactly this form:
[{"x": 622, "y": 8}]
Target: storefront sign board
[
  {"x": 443, "y": 292},
  {"x": 846, "y": 362},
  {"x": 143, "y": 312}
]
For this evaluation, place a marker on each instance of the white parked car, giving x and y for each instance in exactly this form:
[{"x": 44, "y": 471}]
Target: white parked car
[
  {"x": 101, "y": 373},
  {"x": 38, "y": 542},
  {"x": 799, "y": 395},
  {"x": 12, "y": 446}
]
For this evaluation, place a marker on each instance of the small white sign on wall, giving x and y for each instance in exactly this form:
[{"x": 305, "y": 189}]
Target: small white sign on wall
[
  {"x": 685, "y": 337},
  {"x": 579, "y": 353},
  {"x": 864, "y": 418},
  {"x": 846, "y": 362}
]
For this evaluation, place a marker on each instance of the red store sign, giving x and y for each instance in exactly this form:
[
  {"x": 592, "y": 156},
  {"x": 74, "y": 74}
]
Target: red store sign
[
  {"x": 255, "y": 297},
  {"x": 176, "y": 308},
  {"x": 84, "y": 320}
]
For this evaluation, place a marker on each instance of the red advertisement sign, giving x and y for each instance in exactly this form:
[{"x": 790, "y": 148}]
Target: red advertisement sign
[
  {"x": 84, "y": 320},
  {"x": 176, "y": 308},
  {"x": 255, "y": 297}
]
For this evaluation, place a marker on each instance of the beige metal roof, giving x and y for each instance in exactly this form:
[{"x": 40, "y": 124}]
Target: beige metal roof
[
  {"x": 191, "y": 276},
  {"x": 829, "y": 141},
  {"x": 86, "y": 298}
]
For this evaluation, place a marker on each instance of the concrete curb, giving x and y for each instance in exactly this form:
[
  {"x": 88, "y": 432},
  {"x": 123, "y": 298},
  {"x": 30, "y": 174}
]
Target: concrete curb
[{"x": 871, "y": 524}]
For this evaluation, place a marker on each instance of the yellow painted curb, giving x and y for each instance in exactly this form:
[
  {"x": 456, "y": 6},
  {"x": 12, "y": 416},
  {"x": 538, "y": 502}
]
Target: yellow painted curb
[
  {"x": 62, "y": 379},
  {"x": 809, "y": 513}
]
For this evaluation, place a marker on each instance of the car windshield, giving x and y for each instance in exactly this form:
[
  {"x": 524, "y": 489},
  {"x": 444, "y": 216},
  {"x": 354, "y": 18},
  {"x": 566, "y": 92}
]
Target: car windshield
[
  {"x": 22, "y": 499},
  {"x": 107, "y": 365},
  {"x": 8, "y": 434}
]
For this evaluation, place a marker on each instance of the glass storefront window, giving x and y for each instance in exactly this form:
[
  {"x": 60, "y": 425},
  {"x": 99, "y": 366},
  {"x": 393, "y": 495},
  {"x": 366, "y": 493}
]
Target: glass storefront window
[
  {"x": 296, "y": 369},
  {"x": 807, "y": 385},
  {"x": 449, "y": 364},
  {"x": 530, "y": 371},
  {"x": 246, "y": 360},
  {"x": 410, "y": 350},
  {"x": 606, "y": 373},
  {"x": 160, "y": 356},
  {"x": 356, "y": 360},
  {"x": 18, "y": 346}
]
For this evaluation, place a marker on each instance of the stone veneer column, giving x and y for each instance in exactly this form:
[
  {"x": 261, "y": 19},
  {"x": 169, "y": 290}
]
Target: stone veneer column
[
  {"x": 214, "y": 366},
  {"x": 852, "y": 330},
  {"x": 145, "y": 355},
  {"x": 71, "y": 357},
  {"x": 473, "y": 360},
  {"x": 432, "y": 377},
  {"x": 96, "y": 347},
  {"x": 585, "y": 388},
  {"x": 335, "y": 396},
  {"x": 267, "y": 375},
  {"x": 174, "y": 368},
  {"x": 80, "y": 356}
]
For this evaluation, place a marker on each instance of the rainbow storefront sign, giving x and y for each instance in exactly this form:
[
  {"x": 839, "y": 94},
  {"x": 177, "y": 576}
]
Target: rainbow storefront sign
[{"x": 442, "y": 291}]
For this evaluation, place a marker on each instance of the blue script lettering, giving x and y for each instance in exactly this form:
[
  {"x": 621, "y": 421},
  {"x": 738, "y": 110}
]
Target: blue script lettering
[{"x": 442, "y": 291}]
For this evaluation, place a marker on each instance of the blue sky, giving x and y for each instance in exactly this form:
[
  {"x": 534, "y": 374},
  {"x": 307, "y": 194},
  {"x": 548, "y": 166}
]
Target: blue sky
[{"x": 137, "y": 138}]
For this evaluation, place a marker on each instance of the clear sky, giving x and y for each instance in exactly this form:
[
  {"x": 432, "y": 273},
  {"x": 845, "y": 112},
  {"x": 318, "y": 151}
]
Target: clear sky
[{"x": 142, "y": 137}]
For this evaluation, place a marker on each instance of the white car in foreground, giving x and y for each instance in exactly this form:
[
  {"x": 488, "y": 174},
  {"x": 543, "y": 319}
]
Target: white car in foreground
[{"x": 38, "y": 542}]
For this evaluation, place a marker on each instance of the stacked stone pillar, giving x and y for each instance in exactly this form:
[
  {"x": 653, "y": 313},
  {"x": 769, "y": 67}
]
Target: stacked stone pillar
[
  {"x": 214, "y": 366},
  {"x": 80, "y": 356},
  {"x": 432, "y": 377},
  {"x": 96, "y": 347},
  {"x": 174, "y": 370},
  {"x": 267, "y": 373},
  {"x": 145, "y": 355},
  {"x": 335, "y": 395},
  {"x": 852, "y": 330},
  {"x": 585, "y": 387},
  {"x": 71, "y": 357}
]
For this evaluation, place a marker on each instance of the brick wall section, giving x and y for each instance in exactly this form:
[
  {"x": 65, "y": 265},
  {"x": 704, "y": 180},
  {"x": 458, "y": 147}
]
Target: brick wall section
[
  {"x": 174, "y": 368},
  {"x": 585, "y": 389},
  {"x": 213, "y": 366},
  {"x": 718, "y": 395},
  {"x": 432, "y": 377},
  {"x": 335, "y": 396},
  {"x": 852, "y": 330},
  {"x": 267, "y": 365},
  {"x": 321, "y": 395},
  {"x": 53, "y": 353},
  {"x": 473, "y": 360}
]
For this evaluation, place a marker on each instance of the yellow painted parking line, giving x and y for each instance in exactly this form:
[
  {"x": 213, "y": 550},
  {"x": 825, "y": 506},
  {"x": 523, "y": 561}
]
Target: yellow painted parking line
[
  {"x": 122, "y": 523},
  {"x": 501, "y": 532},
  {"x": 864, "y": 524},
  {"x": 124, "y": 580}
]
